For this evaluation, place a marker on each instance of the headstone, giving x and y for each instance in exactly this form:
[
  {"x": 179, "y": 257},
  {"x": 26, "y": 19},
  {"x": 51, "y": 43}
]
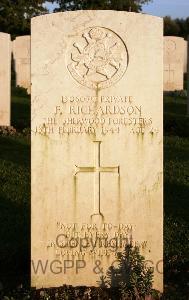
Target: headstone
[
  {"x": 188, "y": 76},
  {"x": 21, "y": 54},
  {"x": 173, "y": 63},
  {"x": 5, "y": 78},
  {"x": 185, "y": 56},
  {"x": 96, "y": 143}
]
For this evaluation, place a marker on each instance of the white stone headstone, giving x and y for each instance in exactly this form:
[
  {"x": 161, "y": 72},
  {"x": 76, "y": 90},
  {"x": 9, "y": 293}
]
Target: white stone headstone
[
  {"x": 22, "y": 57},
  {"x": 173, "y": 63},
  {"x": 5, "y": 79},
  {"x": 188, "y": 77},
  {"x": 185, "y": 56},
  {"x": 97, "y": 137}
]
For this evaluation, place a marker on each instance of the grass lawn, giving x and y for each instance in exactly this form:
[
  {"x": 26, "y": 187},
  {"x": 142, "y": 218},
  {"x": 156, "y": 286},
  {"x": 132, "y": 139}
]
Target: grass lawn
[
  {"x": 176, "y": 196},
  {"x": 20, "y": 109},
  {"x": 15, "y": 195},
  {"x": 176, "y": 176},
  {"x": 176, "y": 158}
]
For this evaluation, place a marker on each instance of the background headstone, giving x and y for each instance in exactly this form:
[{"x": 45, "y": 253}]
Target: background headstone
[
  {"x": 188, "y": 76},
  {"x": 97, "y": 137},
  {"x": 5, "y": 79},
  {"x": 185, "y": 56},
  {"x": 21, "y": 54},
  {"x": 173, "y": 63}
]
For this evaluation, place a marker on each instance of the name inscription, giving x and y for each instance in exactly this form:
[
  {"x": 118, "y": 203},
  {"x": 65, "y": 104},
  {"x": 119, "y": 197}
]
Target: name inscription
[{"x": 92, "y": 115}]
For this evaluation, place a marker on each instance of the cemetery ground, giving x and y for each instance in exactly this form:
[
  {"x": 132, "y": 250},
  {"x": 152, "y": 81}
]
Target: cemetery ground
[{"x": 15, "y": 201}]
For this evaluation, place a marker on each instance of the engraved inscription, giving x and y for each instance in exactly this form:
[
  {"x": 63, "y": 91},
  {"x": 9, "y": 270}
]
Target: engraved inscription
[
  {"x": 98, "y": 59},
  {"x": 91, "y": 115},
  {"x": 82, "y": 240}
]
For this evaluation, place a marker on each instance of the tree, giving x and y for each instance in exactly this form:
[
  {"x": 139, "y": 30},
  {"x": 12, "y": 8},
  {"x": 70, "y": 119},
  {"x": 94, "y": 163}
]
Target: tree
[
  {"x": 15, "y": 15},
  {"x": 127, "y": 5},
  {"x": 170, "y": 27},
  {"x": 183, "y": 26},
  {"x": 177, "y": 27}
]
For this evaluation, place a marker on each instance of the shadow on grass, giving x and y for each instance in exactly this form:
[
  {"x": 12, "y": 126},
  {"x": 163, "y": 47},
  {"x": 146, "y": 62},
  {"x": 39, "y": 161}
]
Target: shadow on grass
[
  {"x": 176, "y": 204},
  {"x": 15, "y": 242},
  {"x": 176, "y": 176},
  {"x": 16, "y": 150},
  {"x": 176, "y": 125},
  {"x": 14, "y": 210},
  {"x": 176, "y": 249},
  {"x": 176, "y": 149},
  {"x": 20, "y": 112},
  {"x": 175, "y": 107},
  {"x": 176, "y": 122}
]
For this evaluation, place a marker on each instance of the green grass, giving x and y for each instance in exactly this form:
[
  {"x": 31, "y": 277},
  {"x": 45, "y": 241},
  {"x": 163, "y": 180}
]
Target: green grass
[
  {"x": 176, "y": 196},
  {"x": 176, "y": 176},
  {"x": 20, "y": 109},
  {"x": 176, "y": 157},
  {"x": 15, "y": 195},
  {"x": 176, "y": 122},
  {"x": 14, "y": 208},
  {"x": 174, "y": 106},
  {"x": 15, "y": 198}
]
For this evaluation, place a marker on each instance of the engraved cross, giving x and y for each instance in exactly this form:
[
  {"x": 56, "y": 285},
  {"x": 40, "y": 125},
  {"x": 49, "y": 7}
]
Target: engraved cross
[
  {"x": 170, "y": 74},
  {"x": 97, "y": 170}
]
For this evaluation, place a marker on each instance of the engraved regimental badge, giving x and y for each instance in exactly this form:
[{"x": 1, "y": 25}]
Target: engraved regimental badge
[
  {"x": 98, "y": 58},
  {"x": 170, "y": 46}
]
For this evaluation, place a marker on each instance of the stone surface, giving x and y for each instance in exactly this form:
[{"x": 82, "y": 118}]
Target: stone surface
[
  {"x": 5, "y": 78},
  {"x": 21, "y": 54},
  {"x": 96, "y": 143},
  {"x": 173, "y": 63}
]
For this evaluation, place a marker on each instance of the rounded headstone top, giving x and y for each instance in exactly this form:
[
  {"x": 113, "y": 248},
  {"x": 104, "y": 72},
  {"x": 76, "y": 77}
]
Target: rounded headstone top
[
  {"x": 76, "y": 13},
  {"x": 3, "y": 34}
]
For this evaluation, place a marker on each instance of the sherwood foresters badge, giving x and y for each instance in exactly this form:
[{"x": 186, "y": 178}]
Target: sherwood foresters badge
[{"x": 98, "y": 58}]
